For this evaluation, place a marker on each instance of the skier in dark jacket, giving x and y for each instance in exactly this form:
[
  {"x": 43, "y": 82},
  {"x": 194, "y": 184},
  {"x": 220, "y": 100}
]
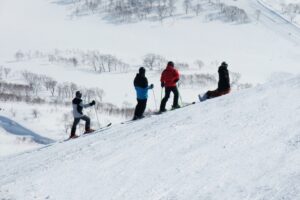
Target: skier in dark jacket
[
  {"x": 169, "y": 79},
  {"x": 141, "y": 87},
  {"x": 223, "y": 84},
  {"x": 78, "y": 114}
]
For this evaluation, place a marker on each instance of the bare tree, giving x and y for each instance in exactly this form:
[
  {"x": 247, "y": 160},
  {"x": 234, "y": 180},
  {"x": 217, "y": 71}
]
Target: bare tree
[
  {"x": 74, "y": 62},
  {"x": 6, "y": 71},
  {"x": 19, "y": 55},
  {"x": 162, "y": 9},
  {"x": 33, "y": 80},
  {"x": 197, "y": 8},
  {"x": 50, "y": 85},
  {"x": 199, "y": 63},
  {"x": 171, "y": 7},
  {"x": 187, "y": 4},
  {"x": 153, "y": 61},
  {"x": 35, "y": 113}
]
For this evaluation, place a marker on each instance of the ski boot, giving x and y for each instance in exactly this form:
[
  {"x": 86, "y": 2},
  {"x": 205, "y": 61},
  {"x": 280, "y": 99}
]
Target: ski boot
[
  {"x": 87, "y": 131},
  {"x": 73, "y": 136},
  {"x": 175, "y": 107}
]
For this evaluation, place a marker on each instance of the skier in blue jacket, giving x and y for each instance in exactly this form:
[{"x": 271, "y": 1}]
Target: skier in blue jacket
[{"x": 141, "y": 87}]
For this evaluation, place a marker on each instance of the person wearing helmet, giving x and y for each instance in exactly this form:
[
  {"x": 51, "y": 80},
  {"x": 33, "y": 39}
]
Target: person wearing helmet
[
  {"x": 223, "y": 84},
  {"x": 141, "y": 87},
  {"x": 78, "y": 114},
  {"x": 169, "y": 79}
]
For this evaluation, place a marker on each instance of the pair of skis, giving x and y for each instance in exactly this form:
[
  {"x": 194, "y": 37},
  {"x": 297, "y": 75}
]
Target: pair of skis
[
  {"x": 131, "y": 121},
  {"x": 157, "y": 113},
  {"x": 185, "y": 105},
  {"x": 93, "y": 132}
]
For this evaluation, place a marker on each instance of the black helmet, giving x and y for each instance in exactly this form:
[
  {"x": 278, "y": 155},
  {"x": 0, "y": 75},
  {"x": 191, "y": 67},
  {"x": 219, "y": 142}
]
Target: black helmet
[
  {"x": 142, "y": 70},
  {"x": 78, "y": 94}
]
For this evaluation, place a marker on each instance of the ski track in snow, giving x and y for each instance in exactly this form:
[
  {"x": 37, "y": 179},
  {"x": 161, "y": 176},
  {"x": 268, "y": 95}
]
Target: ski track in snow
[
  {"x": 241, "y": 146},
  {"x": 277, "y": 23}
]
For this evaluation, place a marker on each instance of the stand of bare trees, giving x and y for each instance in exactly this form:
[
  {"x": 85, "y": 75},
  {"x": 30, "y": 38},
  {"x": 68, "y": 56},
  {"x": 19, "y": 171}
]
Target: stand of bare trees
[
  {"x": 198, "y": 80},
  {"x": 125, "y": 11},
  {"x": 228, "y": 13},
  {"x": 92, "y": 60},
  {"x": 36, "y": 88},
  {"x": 154, "y": 62},
  {"x": 291, "y": 10}
]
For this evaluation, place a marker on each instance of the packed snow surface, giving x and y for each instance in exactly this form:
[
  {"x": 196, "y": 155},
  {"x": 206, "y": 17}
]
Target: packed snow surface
[{"x": 244, "y": 145}]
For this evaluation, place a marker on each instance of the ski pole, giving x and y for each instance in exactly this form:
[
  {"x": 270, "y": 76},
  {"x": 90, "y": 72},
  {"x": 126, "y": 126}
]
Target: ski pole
[
  {"x": 180, "y": 98},
  {"x": 154, "y": 99},
  {"x": 180, "y": 95},
  {"x": 97, "y": 117},
  {"x": 161, "y": 93}
]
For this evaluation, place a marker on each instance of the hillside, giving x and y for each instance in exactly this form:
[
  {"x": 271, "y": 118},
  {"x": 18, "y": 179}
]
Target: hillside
[
  {"x": 43, "y": 37},
  {"x": 241, "y": 146}
]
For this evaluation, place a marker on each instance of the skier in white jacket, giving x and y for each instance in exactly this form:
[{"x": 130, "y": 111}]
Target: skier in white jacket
[{"x": 78, "y": 114}]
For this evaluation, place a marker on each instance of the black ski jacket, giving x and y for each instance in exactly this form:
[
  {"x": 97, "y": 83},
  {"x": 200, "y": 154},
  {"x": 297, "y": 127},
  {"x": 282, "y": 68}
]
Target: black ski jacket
[
  {"x": 140, "y": 81},
  {"x": 224, "y": 81}
]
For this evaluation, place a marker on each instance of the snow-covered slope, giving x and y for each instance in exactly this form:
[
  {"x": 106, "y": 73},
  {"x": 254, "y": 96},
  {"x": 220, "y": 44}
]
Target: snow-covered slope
[
  {"x": 244, "y": 145},
  {"x": 255, "y": 50}
]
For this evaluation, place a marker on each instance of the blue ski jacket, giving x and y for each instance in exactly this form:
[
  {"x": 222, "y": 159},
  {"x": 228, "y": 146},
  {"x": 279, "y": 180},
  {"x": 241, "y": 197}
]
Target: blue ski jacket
[
  {"x": 142, "y": 93},
  {"x": 141, "y": 87}
]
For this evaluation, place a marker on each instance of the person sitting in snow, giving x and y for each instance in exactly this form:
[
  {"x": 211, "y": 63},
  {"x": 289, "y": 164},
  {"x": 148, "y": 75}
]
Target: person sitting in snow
[
  {"x": 78, "y": 114},
  {"x": 223, "y": 85},
  {"x": 169, "y": 79},
  {"x": 141, "y": 86}
]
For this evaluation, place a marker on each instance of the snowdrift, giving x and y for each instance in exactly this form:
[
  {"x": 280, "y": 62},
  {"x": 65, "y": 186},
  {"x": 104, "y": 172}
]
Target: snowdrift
[
  {"x": 245, "y": 145},
  {"x": 14, "y": 138},
  {"x": 14, "y": 128}
]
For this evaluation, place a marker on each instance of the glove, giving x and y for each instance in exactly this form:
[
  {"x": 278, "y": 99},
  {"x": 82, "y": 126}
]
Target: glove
[
  {"x": 176, "y": 80},
  {"x": 151, "y": 86},
  {"x": 92, "y": 103},
  {"x": 162, "y": 84}
]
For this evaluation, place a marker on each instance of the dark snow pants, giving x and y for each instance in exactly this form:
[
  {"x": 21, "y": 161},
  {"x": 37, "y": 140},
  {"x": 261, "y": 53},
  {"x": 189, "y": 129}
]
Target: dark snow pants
[
  {"x": 76, "y": 122},
  {"x": 217, "y": 93},
  {"x": 140, "y": 108},
  {"x": 168, "y": 91}
]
